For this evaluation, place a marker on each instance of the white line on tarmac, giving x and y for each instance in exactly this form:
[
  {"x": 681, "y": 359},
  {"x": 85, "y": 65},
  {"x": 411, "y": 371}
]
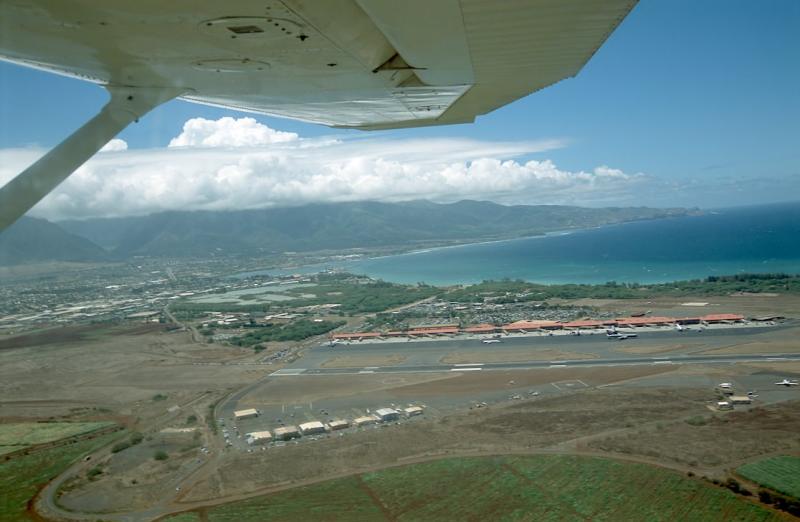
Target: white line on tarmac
[
  {"x": 557, "y": 366},
  {"x": 776, "y": 358},
  {"x": 468, "y": 369},
  {"x": 662, "y": 362},
  {"x": 367, "y": 371},
  {"x": 557, "y": 386},
  {"x": 469, "y": 364}
]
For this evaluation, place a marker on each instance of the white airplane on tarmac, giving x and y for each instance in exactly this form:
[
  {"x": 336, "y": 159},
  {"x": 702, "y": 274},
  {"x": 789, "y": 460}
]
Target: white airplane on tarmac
[
  {"x": 787, "y": 382},
  {"x": 358, "y": 64}
]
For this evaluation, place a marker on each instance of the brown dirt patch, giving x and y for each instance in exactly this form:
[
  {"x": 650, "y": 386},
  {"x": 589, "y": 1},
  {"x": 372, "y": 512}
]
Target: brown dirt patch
[
  {"x": 357, "y": 361},
  {"x": 513, "y": 356},
  {"x": 725, "y": 439},
  {"x": 777, "y": 346},
  {"x": 522, "y": 425},
  {"x": 666, "y": 348},
  {"x": 76, "y": 334},
  {"x": 475, "y": 382},
  {"x": 64, "y": 335}
]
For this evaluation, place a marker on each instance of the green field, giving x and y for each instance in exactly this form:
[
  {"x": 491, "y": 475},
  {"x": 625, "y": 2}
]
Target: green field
[
  {"x": 21, "y": 477},
  {"x": 781, "y": 474},
  {"x": 537, "y": 488},
  {"x": 10, "y": 449},
  {"x": 31, "y": 433}
]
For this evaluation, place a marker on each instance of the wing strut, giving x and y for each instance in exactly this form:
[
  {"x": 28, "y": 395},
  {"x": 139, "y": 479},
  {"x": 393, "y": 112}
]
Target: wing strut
[{"x": 127, "y": 104}]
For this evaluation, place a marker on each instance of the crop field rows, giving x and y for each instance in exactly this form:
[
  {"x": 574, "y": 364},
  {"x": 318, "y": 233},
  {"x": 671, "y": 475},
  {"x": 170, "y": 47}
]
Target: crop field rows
[
  {"x": 502, "y": 488},
  {"x": 781, "y": 474},
  {"x": 24, "y": 434}
]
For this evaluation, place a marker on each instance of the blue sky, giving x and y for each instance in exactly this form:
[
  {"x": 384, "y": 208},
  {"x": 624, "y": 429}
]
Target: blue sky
[{"x": 700, "y": 97}]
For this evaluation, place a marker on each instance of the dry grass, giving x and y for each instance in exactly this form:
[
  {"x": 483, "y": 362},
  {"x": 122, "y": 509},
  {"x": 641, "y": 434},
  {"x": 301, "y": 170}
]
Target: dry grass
[
  {"x": 513, "y": 356},
  {"x": 359, "y": 361}
]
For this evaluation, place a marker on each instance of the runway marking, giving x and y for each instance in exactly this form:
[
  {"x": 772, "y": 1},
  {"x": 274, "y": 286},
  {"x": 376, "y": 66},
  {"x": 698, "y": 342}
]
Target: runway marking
[
  {"x": 557, "y": 386},
  {"x": 468, "y": 364},
  {"x": 557, "y": 366},
  {"x": 660, "y": 357},
  {"x": 776, "y": 358},
  {"x": 584, "y": 384},
  {"x": 288, "y": 371},
  {"x": 467, "y": 369},
  {"x": 367, "y": 371},
  {"x": 662, "y": 362}
]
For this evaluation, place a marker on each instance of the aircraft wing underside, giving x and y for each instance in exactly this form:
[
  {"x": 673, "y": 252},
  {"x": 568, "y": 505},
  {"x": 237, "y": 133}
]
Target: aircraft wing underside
[{"x": 367, "y": 64}]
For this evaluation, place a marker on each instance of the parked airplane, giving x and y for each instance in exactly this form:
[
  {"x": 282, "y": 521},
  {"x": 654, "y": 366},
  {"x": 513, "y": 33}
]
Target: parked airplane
[
  {"x": 725, "y": 385},
  {"x": 787, "y": 382}
]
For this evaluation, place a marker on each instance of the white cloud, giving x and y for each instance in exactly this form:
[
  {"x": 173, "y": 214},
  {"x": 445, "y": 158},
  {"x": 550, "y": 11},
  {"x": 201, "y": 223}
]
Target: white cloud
[
  {"x": 228, "y": 132},
  {"x": 202, "y": 170},
  {"x": 115, "y": 145}
]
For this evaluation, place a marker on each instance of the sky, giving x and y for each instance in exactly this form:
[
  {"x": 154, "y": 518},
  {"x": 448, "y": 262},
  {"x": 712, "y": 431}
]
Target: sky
[{"x": 690, "y": 103}]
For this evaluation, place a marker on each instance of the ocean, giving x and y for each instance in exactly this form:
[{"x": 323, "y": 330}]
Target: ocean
[{"x": 727, "y": 241}]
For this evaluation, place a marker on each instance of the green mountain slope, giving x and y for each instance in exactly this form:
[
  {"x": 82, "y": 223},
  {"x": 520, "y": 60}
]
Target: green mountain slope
[{"x": 338, "y": 226}]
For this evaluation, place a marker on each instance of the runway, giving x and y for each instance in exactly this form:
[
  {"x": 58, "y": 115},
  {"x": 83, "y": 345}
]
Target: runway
[{"x": 581, "y": 363}]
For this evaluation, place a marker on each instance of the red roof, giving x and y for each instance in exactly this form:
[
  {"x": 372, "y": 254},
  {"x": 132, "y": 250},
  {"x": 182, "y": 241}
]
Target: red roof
[
  {"x": 435, "y": 327},
  {"x": 481, "y": 328},
  {"x": 531, "y": 325},
  {"x": 428, "y": 330},
  {"x": 645, "y": 320},
  {"x": 582, "y": 324},
  {"x": 355, "y": 335},
  {"x": 722, "y": 317}
]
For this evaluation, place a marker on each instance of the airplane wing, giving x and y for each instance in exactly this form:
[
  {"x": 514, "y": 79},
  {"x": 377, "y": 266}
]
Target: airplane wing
[
  {"x": 370, "y": 64},
  {"x": 366, "y": 64}
]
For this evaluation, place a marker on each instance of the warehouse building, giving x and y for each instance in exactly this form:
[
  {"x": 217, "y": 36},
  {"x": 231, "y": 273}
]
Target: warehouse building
[
  {"x": 338, "y": 425},
  {"x": 287, "y": 433},
  {"x": 365, "y": 420},
  {"x": 412, "y": 411},
  {"x": 259, "y": 437},
  {"x": 387, "y": 414},
  {"x": 312, "y": 428},
  {"x": 740, "y": 399},
  {"x": 245, "y": 414}
]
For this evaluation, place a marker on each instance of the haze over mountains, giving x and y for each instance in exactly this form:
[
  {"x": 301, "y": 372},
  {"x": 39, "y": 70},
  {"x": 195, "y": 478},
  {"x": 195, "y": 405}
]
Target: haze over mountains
[{"x": 306, "y": 228}]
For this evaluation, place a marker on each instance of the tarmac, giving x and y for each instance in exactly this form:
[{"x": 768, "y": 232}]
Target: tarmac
[{"x": 426, "y": 356}]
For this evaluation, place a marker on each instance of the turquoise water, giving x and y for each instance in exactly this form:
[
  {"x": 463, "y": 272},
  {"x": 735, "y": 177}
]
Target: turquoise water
[{"x": 728, "y": 241}]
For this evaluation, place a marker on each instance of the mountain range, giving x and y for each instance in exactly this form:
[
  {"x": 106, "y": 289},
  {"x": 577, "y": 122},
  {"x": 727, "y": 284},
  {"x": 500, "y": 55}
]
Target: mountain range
[{"x": 308, "y": 228}]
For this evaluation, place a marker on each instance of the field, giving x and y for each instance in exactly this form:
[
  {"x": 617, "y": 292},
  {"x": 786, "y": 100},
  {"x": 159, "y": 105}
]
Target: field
[
  {"x": 781, "y": 474},
  {"x": 21, "y": 478},
  {"x": 552, "y": 487},
  {"x": 31, "y": 433}
]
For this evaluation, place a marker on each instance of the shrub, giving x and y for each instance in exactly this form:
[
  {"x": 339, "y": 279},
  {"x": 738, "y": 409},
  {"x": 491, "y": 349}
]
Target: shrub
[
  {"x": 697, "y": 420},
  {"x": 161, "y": 455},
  {"x": 120, "y": 446}
]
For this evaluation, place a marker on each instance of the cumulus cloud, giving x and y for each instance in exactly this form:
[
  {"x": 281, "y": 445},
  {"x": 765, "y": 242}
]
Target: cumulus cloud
[
  {"x": 228, "y": 132},
  {"x": 115, "y": 145},
  {"x": 240, "y": 163}
]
